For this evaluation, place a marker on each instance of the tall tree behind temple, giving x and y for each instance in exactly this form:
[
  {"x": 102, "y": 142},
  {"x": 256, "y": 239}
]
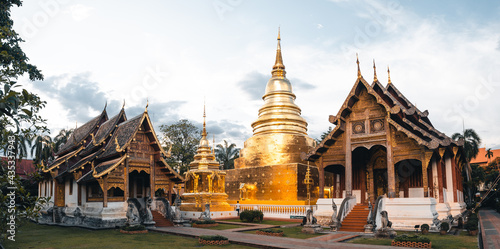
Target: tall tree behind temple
[
  {"x": 184, "y": 138},
  {"x": 226, "y": 154},
  {"x": 471, "y": 149},
  {"x": 62, "y": 138},
  {"x": 19, "y": 118}
]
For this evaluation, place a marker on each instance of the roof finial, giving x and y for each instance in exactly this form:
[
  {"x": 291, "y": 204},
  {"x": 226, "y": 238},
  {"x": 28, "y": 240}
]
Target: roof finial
[
  {"x": 389, "y": 74},
  {"x": 213, "y": 143},
  {"x": 204, "y": 132},
  {"x": 279, "y": 67},
  {"x": 123, "y": 106},
  {"x": 147, "y": 104},
  {"x": 106, "y": 105},
  {"x": 359, "y": 70},
  {"x": 374, "y": 71}
]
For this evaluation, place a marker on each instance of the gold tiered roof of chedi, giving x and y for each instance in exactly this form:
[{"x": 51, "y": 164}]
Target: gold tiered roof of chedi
[
  {"x": 204, "y": 181},
  {"x": 270, "y": 169},
  {"x": 279, "y": 114},
  {"x": 279, "y": 133}
]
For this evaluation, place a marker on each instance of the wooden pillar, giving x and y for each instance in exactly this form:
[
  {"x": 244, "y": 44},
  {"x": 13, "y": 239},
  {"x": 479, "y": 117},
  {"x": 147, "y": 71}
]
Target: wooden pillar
[
  {"x": 390, "y": 164},
  {"x": 170, "y": 186},
  {"x": 454, "y": 180},
  {"x": 105, "y": 191},
  {"x": 440, "y": 179},
  {"x": 152, "y": 177},
  {"x": 425, "y": 181},
  {"x": 126, "y": 180},
  {"x": 79, "y": 194},
  {"x": 348, "y": 161},
  {"x": 321, "y": 172}
]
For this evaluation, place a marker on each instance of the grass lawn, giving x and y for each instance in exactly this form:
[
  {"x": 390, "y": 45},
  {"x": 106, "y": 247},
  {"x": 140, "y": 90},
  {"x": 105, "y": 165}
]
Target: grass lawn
[
  {"x": 266, "y": 222},
  {"x": 42, "y": 236},
  {"x": 225, "y": 227},
  {"x": 293, "y": 232},
  {"x": 463, "y": 241}
]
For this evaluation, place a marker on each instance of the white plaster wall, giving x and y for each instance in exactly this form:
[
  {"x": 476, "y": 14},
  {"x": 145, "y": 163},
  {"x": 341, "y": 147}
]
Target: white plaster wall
[
  {"x": 70, "y": 200},
  {"x": 357, "y": 193},
  {"x": 445, "y": 195},
  {"x": 405, "y": 213},
  {"x": 416, "y": 192},
  {"x": 84, "y": 194}
]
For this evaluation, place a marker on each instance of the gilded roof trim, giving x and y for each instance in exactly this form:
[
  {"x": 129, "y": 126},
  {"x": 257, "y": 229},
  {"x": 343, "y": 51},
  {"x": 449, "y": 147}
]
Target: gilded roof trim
[
  {"x": 171, "y": 170},
  {"x": 99, "y": 175},
  {"x": 66, "y": 157}
]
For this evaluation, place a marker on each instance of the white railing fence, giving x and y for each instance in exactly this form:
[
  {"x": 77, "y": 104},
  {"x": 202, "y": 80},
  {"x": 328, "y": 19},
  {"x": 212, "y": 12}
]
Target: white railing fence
[{"x": 277, "y": 211}]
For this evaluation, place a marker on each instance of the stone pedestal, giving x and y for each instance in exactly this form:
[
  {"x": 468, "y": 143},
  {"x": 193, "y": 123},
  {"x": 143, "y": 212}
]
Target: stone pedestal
[
  {"x": 385, "y": 233},
  {"x": 312, "y": 229},
  {"x": 368, "y": 228}
]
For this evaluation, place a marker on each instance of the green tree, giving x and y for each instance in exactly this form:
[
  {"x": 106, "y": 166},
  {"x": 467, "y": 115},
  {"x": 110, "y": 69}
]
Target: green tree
[
  {"x": 226, "y": 154},
  {"x": 470, "y": 149},
  {"x": 42, "y": 149},
  {"x": 62, "y": 138},
  {"x": 19, "y": 123},
  {"x": 322, "y": 137},
  {"x": 489, "y": 154},
  {"x": 184, "y": 137}
]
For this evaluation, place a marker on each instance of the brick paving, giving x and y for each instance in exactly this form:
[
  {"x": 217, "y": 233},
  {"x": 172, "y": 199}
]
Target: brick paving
[
  {"x": 490, "y": 228},
  {"x": 261, "y": 240}
]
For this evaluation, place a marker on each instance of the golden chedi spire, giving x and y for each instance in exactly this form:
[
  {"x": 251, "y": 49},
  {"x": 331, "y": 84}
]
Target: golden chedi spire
[
  {"x": 279, "y": 113},
  {"x": 204, "y": 158}
]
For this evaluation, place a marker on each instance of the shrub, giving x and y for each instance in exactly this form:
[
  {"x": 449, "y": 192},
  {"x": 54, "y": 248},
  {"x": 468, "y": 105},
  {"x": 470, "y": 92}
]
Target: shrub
[
  {"x": 411, "y": 238},
  {"x": 471, "y": 225},
  {"x": 213, "y": 237},
  {"x": 424, "y": 227},
  {"x": 269, "y": 230},
  {"x": 445, "y": 226},
  {"x": 134, "y": 228},
  {"x": 251, "y": 215},
  {"x": 201, "y": 222}
]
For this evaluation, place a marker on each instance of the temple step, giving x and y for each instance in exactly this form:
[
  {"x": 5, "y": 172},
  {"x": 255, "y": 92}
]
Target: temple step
[
  {"x": 160, "y": 220},
  {"x": 355, "y": 221}
]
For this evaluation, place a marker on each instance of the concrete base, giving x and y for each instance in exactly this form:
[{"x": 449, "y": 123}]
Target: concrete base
[
  {"x": 443, "y": 210},
  {"x": 188, "y": 215},
  {"x": 324, "y": 210},
  {"x": 312, "y": 229},
  {"x": 457, "y": 208},
  {"x": 405, "y": 213}
]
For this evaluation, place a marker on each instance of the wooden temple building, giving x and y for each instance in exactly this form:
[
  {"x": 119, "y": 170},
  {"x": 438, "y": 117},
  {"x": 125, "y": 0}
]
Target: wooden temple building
[
  {"x": 383, "y": 145},
  {"x": 104, "y": 164}
]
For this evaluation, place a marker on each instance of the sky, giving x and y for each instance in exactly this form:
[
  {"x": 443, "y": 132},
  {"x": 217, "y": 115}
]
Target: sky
[{"x": 178, "y": 55}]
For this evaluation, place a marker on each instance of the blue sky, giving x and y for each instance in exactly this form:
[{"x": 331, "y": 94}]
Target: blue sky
[{"x": 443, "y": 56}]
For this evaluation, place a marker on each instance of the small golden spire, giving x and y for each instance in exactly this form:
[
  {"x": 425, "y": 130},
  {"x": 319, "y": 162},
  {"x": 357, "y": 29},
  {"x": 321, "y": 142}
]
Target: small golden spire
[
  {"x": 389, "y": 74},
  {"x": 147, "y": 104},
  {"x": 204, "y": 132},
  {"x": 374, "y": 71},
  {"x": 123, "y": 106},
  {"x": 213, "y": 143},
  {"x": 279, "y": 67},
  {"x": 359, "y": 70}
]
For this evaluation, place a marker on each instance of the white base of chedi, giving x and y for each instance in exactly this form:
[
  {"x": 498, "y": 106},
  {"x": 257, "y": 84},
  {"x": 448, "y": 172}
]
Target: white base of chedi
[{"x": 213, "y": 215}]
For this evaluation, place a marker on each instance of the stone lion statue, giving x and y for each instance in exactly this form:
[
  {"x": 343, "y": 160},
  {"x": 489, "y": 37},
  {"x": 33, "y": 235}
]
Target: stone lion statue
[
  {"x": 206, "y": 214},
  {"x": 386, "y": 223},
  {"x": 309, "y": 219},
  {"x": 132, "y": 215}
]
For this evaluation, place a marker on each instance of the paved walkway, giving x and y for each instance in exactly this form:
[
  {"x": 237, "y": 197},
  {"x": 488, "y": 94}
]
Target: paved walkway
[
  {"x": 267, "y": 241},
  {"x": 490, "y": 228}
]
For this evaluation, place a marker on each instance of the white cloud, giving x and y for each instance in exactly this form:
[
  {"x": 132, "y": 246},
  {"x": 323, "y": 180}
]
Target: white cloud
[{"x": 79, "y": 12}]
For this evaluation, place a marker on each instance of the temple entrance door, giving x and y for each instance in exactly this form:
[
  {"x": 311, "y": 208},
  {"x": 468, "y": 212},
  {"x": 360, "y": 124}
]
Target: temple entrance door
[
  {"x": 60, "y": 194},
  {"x": 139, "y": 185},
  {"x": 380, "y": 182},
  {"x": 334, "y": 181}
]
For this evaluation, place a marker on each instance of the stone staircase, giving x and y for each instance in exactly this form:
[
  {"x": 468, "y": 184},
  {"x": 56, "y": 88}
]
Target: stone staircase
[
  {"x": 160, "y": 220},
  {"x": 57, "y": 215},
  {"x": 355, "y": 221}
]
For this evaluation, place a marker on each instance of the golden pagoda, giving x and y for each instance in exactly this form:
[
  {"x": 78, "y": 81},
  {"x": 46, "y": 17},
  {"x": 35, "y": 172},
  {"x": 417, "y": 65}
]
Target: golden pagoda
[
  {"x": 270, "y": 167},
  {"x": 204, "y": 181}
]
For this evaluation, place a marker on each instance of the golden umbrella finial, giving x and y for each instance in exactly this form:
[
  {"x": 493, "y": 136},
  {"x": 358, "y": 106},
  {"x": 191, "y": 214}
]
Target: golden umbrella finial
[
  {"x": 389, "y": 74},
  {"x": 359, "y": 70},
  {"x": 204, "y": 132},
  {"x": 279, "y": 67},
  {"x": 374, "y": 71}
]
